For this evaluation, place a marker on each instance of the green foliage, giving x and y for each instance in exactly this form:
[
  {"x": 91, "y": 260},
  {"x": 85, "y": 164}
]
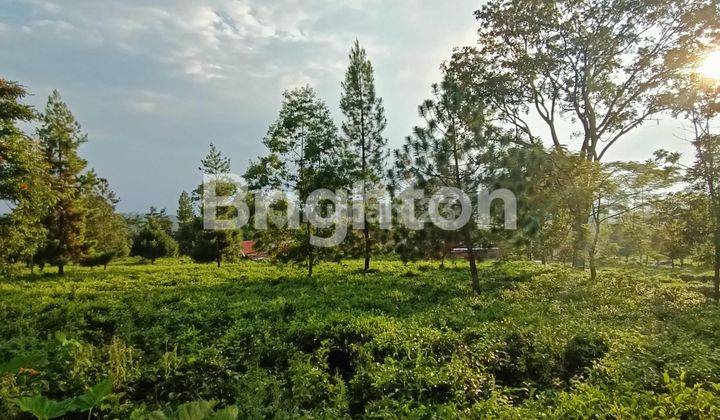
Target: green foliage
[
  {"x": 453, "y": 149},
  {"x": 106, "y": 232},
  {"x": 24, "y": 184},
  {"x": 185, "y": 234},
  {"x": 304, "y": 154},
  {"x": 209, "y": 245},
  {"x": 44, "y": 408},
  {"x": 363, "y": 132},
  {"x": 154, "y": 241},
  {"x": 198, "y": 410},
  {"x": 93, "y": 397},
  {"x": 364, "y": 117},
  {"x": 216, "y": 245}
]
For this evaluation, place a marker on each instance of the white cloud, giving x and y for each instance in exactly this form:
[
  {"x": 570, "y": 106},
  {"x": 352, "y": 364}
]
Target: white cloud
[{"x": 294, "y": 80}]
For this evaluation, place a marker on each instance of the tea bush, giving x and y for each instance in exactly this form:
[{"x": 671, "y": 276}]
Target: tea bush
[{"x": 257, "y": 340}]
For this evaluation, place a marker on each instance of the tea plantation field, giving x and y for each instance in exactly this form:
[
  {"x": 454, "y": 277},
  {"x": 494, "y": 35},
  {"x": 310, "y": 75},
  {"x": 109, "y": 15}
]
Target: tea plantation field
[{"x": 260, "y": 340}]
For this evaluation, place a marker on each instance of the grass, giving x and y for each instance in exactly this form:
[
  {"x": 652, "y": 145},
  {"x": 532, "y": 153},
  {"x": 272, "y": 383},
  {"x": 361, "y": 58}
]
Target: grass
[{"x": 404, "y": 340}]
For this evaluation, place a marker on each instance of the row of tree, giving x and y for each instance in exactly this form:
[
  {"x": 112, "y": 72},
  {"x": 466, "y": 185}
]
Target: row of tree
[
  {"x": 57, "y": 212},
  {"x": 602, "y": 67}
]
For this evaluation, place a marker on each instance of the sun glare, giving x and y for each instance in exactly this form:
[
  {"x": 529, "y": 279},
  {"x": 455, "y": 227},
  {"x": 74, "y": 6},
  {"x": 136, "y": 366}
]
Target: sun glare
[{"x": 710, "y": 65}]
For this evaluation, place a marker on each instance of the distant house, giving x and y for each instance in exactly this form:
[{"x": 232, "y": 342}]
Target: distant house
[
  {"x": 249, "y": 251},
  {"x": 480, "y": 253}
]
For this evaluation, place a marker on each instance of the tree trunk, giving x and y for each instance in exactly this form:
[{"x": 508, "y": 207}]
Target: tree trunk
[
  {"x": 310, "y": 262},
  {"x": 366, "y": 234},
  {"x": 580, "y": 240},
  {"x": 471, "y": 259},
  {"x": 311, "y": 255},
  {"x": 716, "y": 278},
  {"x": 61, "y": 269},
  {"x": 219, "y": 261},
  {"x": 592, "y": 251},
  {"x": 467, "y": 229}
]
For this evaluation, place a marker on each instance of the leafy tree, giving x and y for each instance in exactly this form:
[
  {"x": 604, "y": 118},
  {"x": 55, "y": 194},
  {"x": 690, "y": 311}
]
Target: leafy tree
[
  {"x": 698, "y": 99},
  {"x": 631, "y": 234},
  {"x": 623, "y": 187},
  {"x": 601, "y": 66},
  {"x": 453, "y": 149},
  {"x": 706, "y": 171},
  {"x": 154, "y": 240},
  {"x": 304, "y": 154},
  {"x": 536, "y": 176},
  {"x": 106, "y": 233},
  {"x": 24, "y": 184},
  {"x": 216, "y": 246},
  {"x": 674, "y": 218},
  {"x": 60, "y": 136},
  {"x": 363, "y": 127}
]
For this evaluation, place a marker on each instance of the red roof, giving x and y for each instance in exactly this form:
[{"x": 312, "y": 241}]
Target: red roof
[{"x": 248, "y": 248}]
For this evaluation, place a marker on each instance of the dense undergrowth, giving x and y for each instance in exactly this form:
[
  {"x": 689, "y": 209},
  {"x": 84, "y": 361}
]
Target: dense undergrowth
[{"x": 403, "y": 340}]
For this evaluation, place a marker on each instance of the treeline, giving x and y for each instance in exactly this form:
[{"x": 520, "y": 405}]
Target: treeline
[{"x": 495, "y": 119}]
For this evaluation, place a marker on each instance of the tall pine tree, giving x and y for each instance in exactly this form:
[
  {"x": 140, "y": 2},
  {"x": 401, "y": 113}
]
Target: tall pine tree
[
  {"x": 214, "y": 245},
  {"x": 106, "y": 232},
  {"x": 453, "y": 149},
  {"x": 60, "y": 136},
  {"x": 363, "y": 127},
  {"x": 185, "y": 235}
]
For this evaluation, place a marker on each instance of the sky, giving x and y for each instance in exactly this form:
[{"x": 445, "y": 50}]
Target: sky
[{"x": 154, "y": 82}]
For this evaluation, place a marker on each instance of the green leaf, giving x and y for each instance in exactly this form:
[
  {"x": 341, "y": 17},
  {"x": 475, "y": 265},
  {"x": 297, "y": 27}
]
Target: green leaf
[
  {"x": 93, "y": 397},
  {"x": 44, "y": 408},
  {"x": 61, "y": 337},
  {"x": 197, "y": 410},
  {"x": 229, "y": 413},
  {"x": 157, "y": 415}
]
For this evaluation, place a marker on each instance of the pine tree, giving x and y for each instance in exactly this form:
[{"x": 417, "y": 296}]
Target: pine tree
[
  {"x": 212, "y": 245},
  {"x": 214, "y": 163},
  {"x": 24, "y": 186},
  {"x": 187, "y": 226},
  {"x": 186, "y": 210},
  {"x": 106, "y": 232},
  {"x": 453, "y": 149},
  {"x": 363, "y": 127},
  {"x": 60, "y": 136},
  {"x": 154, "y": 240}
]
